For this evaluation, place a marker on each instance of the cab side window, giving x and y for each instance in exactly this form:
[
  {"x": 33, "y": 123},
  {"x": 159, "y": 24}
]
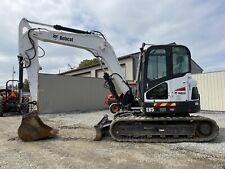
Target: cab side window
[{"x": 159, "y": 92}]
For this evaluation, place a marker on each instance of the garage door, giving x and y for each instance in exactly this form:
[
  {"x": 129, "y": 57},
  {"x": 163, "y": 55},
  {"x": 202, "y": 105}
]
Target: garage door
[
  {"x": 86, "y": 74},
  {"x": 99, "y": 73}
]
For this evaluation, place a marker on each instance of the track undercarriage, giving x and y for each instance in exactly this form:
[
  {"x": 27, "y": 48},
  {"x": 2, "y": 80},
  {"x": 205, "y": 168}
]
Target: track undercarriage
[{"x": 139, "y": 128}]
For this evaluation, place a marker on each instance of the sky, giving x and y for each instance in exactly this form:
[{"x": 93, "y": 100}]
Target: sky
[{"x": 199, "y": 25}]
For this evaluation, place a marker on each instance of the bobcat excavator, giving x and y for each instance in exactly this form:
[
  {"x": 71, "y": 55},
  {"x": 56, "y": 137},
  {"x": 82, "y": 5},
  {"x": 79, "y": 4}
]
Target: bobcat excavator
[{"x": 167, "y": 94}]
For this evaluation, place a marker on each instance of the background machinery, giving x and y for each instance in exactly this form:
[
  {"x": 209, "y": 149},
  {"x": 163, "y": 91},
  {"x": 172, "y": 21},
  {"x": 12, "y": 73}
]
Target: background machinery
[
  {"x": 111, "y": 101},
  {"x": 9, "y": 98},
  {"x": 166, "y": 92}
]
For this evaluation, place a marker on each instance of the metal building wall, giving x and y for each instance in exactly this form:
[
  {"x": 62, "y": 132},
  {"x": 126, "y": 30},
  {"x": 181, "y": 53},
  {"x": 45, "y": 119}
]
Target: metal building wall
[
  {"x": 212, "y": 90},
  {"x": 96, "y": 71},
  {"x": 58, "y": 93}
]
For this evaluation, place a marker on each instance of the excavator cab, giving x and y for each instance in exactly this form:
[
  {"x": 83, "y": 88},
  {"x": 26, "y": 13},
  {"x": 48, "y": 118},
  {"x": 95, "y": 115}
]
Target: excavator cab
[{"x": 167, "y": 87}]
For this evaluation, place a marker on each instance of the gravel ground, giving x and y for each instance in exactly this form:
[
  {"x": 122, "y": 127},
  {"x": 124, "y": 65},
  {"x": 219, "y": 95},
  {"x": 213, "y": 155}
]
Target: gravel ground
[{"x": 74, "y": 148}]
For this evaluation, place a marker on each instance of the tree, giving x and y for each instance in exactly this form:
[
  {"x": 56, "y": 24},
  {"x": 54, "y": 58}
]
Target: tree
[
  {"x": 88, "y": 62},
  {"x": 26, "y": 87}
]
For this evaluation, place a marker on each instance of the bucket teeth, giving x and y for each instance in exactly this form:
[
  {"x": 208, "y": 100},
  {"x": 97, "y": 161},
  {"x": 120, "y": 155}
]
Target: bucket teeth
[{"x": 32, "y": 128}]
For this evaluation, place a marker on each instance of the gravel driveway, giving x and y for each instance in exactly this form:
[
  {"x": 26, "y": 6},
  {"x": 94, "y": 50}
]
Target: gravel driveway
[{"x": 74, "y": 148}]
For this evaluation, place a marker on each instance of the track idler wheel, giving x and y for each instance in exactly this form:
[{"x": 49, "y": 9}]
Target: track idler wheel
[
  {"x": 32, "y": 128},
  {"x": 204, "y": 129}
]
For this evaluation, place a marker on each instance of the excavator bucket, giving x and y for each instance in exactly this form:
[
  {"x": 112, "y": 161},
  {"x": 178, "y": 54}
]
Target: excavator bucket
[{"x": 32, "y": 128}]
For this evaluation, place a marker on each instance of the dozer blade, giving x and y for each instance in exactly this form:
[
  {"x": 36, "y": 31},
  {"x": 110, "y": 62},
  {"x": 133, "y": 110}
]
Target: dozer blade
[
  {"x": 102, "y": 128},
  {"x": 32, "y": 128}
]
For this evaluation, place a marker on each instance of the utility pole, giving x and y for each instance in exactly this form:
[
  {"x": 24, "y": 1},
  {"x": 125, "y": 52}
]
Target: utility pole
[{"x": 13, "y": 78}]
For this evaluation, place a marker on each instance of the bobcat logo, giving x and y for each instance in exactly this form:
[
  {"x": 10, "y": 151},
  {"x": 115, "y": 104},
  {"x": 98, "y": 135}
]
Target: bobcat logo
[{"x": 55, "y": 36}]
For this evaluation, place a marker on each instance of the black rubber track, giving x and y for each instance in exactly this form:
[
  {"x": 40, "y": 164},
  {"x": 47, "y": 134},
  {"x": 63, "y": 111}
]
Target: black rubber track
[{"x": 192, "y": 122}]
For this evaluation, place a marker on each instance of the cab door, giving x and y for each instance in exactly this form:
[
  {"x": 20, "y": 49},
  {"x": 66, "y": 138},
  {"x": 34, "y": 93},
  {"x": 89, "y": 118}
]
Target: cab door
[
  {"x": 180, "y": 73},
  {"x": 156, "y": 73}
]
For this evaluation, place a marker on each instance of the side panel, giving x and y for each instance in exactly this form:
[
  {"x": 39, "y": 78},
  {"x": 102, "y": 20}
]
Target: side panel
[
  {"x": 179, "y": 90},
  {"x": 179, "y": 99}
]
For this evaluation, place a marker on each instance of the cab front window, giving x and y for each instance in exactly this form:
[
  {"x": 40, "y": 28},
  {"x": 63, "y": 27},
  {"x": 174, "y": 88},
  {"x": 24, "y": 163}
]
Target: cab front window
[{"x": 156, "y": 64}]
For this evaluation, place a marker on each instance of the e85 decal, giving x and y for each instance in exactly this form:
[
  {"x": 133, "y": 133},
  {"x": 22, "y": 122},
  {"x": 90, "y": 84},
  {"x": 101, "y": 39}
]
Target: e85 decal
[{"x": 149, "y": 109}]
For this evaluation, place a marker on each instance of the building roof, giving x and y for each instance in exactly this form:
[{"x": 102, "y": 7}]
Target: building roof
[
  {"x": 195, "y": 67},
  {"x": 87, "y": 67}
]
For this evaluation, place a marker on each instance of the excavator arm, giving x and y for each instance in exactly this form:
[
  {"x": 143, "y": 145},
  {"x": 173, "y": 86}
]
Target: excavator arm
[
  {"x": 90, "y": 41},
  {"x": 32, "y": 128}
]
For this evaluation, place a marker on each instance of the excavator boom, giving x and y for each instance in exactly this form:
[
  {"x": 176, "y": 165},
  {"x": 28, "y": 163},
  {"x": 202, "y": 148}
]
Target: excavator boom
[{"x": 32, "y": 127}]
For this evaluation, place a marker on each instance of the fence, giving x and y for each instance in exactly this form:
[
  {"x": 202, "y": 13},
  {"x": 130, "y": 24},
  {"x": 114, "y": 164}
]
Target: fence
[{"x": 58, "y": 93}]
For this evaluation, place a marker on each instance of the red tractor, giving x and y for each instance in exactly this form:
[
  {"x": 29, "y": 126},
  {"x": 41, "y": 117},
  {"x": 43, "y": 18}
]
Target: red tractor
[
  {"x": 111, "y": 101},
  {"x": 9, "y": 99}
]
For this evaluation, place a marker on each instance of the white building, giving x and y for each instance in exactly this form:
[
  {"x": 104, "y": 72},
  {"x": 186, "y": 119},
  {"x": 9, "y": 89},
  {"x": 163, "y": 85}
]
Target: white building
[{"x": 129, "y": 64}]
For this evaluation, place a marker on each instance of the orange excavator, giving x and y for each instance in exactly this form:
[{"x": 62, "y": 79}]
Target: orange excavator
[{"x": 167, "y": 94}]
